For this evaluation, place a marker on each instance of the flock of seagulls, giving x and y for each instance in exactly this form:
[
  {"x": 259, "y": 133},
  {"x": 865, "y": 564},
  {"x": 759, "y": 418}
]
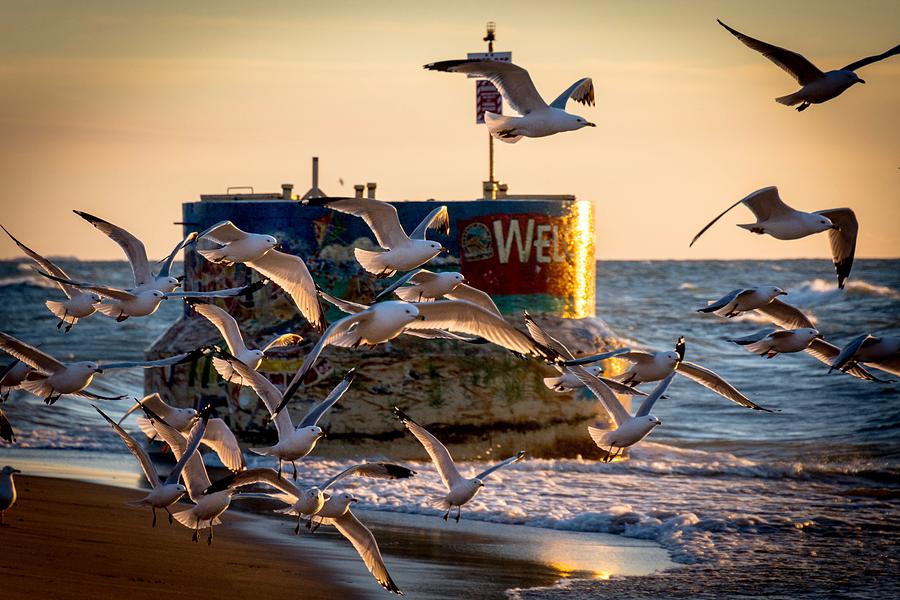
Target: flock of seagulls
[{"x": 430, "y": 305}]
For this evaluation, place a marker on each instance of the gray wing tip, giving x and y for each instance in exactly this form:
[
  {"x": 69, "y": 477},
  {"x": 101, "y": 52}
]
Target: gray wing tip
[{"x": 404, "y": 418}]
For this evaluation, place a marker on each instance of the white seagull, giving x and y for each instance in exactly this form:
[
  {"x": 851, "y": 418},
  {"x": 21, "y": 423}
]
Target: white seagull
[
  {"x": 403, "y": 252},
  {"x": 421, "y": 285},
  {"x": 258, "y": 251},
  {"x": 771, "y": 342},
  {"x": 52, "y": 378},
  {"x": 7, "y": 490},
  {"x": 459, "y": 489},
  {"x": 385, "y": 321},
  {"x": 654, "y": 366},
  {"x": 764, "y": 300},
  {"x": 879, "y": 352},
  {"x": 817, "y": 86},
  {"x": 293, "y": 442},
  {"x": 228, "y": 327},
  {"x": 629, "y": 430},
  {"x": 217, "y": 436},
  {"x": 538, "y": 118},
  {"x": 165, "y": 493},
  {"x": 121, "y": 304},
  {"x": 78, "y": 304},
  {"x": 567, "y": 380},
  {"x": 137, "y": 256},
  {"x": 775, "y": 218}
]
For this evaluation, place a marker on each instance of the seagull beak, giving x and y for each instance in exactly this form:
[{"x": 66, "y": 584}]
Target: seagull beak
[
  {"x": 820, "y": 336},
  {"x": 16, "y": 471},
  {"x": 180, "y": 278},
  {"x": 782, "y": 293},
  {"x": 861, "y": 80},
  {"x": 98, "y": 371},
  {"x": 354, "y": 499},
  {"x": 589, "y": 124},
  {"x": 420, "y": 318},
  {"x": 323, "y": 435},
  {"x": 444, "y": 251}
]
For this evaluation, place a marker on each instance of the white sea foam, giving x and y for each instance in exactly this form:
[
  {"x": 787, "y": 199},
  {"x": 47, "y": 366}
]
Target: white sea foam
[{"x": 817, "y": 291}]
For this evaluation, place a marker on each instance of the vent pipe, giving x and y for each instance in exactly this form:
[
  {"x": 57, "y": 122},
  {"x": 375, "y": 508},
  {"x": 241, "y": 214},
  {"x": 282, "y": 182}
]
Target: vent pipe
[
  {"x": 286, "y": 190},
  {"x": 358, "y": 190},
  {"x": 314, "y": 191},
  {"x": 370, "y": 190}
]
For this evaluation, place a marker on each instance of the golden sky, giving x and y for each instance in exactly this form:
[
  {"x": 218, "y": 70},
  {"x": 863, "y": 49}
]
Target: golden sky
[{"x": 126, "y": 110}]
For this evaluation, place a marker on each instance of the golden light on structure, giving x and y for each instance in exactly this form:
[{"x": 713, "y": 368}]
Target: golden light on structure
[{"x": 573, "y": 279}]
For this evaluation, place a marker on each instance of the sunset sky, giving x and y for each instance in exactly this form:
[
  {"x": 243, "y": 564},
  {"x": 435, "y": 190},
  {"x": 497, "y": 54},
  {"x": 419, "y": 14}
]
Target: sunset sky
[{"x": 126, "y": 110}]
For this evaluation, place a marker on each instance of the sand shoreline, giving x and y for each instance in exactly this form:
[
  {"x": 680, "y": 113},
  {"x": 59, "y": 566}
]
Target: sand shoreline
[{"x": 100, "y": 547}]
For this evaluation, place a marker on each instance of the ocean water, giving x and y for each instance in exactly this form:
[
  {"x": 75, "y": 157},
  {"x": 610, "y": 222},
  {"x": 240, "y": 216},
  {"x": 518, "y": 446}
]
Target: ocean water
[{"x": 804, "y": 503}]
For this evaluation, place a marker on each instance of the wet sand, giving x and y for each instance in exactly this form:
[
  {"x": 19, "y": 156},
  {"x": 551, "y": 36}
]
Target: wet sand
[{"x": 79, "y": 540}]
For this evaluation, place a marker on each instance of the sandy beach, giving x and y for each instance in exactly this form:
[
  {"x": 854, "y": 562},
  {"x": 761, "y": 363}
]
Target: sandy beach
[{"x": 101, "y": 548}]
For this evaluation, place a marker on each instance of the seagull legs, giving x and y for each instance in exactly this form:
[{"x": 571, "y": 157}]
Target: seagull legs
[
  {"x": 279, "y": 468},
  {"x": 210, "y": 538},
  {"x": 171, "y": 520},
  {"x": 196, "y": 537},
  {"x": 447, "y": 514},
  {"x": 803, "y": 106},
  {"x": 458, "y": 512},
  {"x": 297, "y": 528},
  {"x": 69, "y": 327},
  {"x": 293, "y": 464},
  {"x": 153, "y": 508}
]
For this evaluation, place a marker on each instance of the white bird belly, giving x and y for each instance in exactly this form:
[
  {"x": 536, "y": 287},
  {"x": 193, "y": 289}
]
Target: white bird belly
[
  {"x": 67, "y": 382},
  {"x": 247, "y": 249},
  {"x": 463, "y": 492}
]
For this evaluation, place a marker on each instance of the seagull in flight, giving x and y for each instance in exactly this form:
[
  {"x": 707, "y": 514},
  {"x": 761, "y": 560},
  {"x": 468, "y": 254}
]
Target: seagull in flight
[
  {"x": 459, "y": 489},
  {"x": 629, "y": 430},
  {"x": 52, "y": 378},
  {"x": 771, "y": 342},
  {"x": 879, "y": 352},
  {"x": 12, "y": 376},
  {"x": 167, "y": 492},
  {"x": 258, "y": 251},
  {"x": 402, "y": 252},
  {"x": 655, "y": 366},
  {"x": 384, "y": 321},
  {"x": 422, "y": 285},
  {"x": 817, "y": 86},
  {"x": 217, "y": 436},
  {"x": 137, "y": 256},
  {"x": 567, "y": 380},
  {"x": 228, "y": 327},
  {"x": 78, "y": 305},
  {"x": 775, "y": 218},
  {"x": 293, "y": 442},
  {"x": 538, "y": 119}
]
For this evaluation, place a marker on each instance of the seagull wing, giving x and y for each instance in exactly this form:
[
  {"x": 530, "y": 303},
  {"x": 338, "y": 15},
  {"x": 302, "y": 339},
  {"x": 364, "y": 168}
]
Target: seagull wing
[
  {"x": 246, "y": 290},
  {"x": 843, "y": 240},
  {"x": 106, "y": 292},
  {"x": 348, "y": 307},
  {"x": 46, "y": 265},
  {"x": 872, "y": 59},
  {"x": 365, "y": 544},
  {"x": 784, "y": 315},
  {"x": 283, "y": 340},
  {"x": 292, "y": 275},
  {"x": 657, "y": 393},
  {"x": 635, "y": 356},
  {"x": 195, "y": 477},
  {"x": 170, "y": 361},
  {"x": 513, "y": 81},
  {"x": 316, "y": 412},
  {"x": 154, "y": 403},
  {"x": 723, "y": 301},
  {"x": 381, "y": 218},
  {"x": 616, "y": 411},
  {"x": 253, "y": 476},
  {"x": 192, "y": 443},
  {"x": 336, "y": 330},
  {"x": 475, "y": 296},
  {"x": 460, "y": 316},
  {"x": 29, "y": 355},
  {"x": 713, "y": 381},
  {"x": 581, "y": 91},
  {"x": 826, "y": 352},
  {"x": 620, "y": 388},
  {"x": 137, "y": 450},
  {"x": 753, "y": 337},
  {"x": 225, "y": 323},
  {"x": 437, "y": 219},
  {"x": 501, "y": 464},
  {"x": 378, "y": 470},
  {"x": 167, "y": 261},
  {"x": 438, "y": 453},
  {"x": 268, "y": 393},
  {"x": 848, "y": 352},
  {"x": 542, "y": 337},
  {"x": 220, "y": 439},
  {"x": 223, "y": 232},
  {"x": 133, "y": 247},
  {"x": 796, "y": 65}
]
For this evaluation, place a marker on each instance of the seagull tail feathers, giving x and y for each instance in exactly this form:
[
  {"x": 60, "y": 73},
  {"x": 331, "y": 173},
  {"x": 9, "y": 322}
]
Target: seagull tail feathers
[
  {"x": 789, "y": 100},
  {"x": 502, "y": 127},
  {"x": 261, "y": 451},
  {"x": 373, "y": 262}
]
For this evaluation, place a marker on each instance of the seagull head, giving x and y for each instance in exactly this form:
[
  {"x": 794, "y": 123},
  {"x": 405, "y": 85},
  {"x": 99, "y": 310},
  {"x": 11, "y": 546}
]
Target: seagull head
[
  {"x": 270, "y": 241},
  {"x": 8, "y": 470},
  {"x": 774, "y": 292},
  {"x": 89, "y": 367},
  {"x": 595, "y": 370},
  {"x": 258, "y": 354},
  {"x": 576, "y": 122},
  {"x": 459, "y": 277},
  {"x": 479, "y": 482},
  {"x": 316, "y": 431},
  {"x": 653, "y": 420},
  {"x": 95, "y": 298}
]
